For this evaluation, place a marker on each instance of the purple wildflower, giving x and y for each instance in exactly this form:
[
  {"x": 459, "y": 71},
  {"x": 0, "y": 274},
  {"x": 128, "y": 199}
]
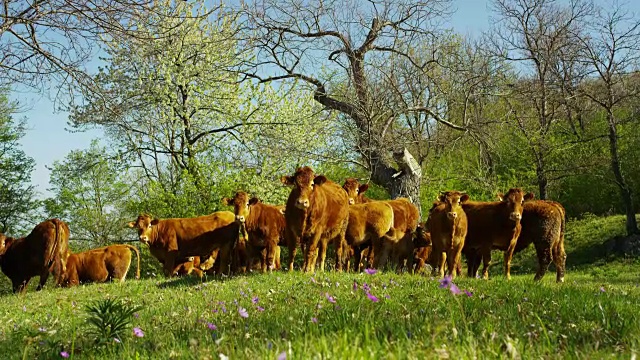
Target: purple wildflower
[
  {"x": 243, "y": 312},
  {"x": 454, "y": 289},
  {"x": 138, "y": 332},
  {"x": 372, "y": 297},
  {"x": 366, "y": 287},
  {"x": 470, "y": 294},
  {"x": 255, "y": 300},
  {"x": 313, "y": 280},
  {"x": 212, "y": 327},
  {"x": 602, "y": 289},
  {"x": 387, "y": 296},
  {"x": 42, "y": 329},
  {"x": 370, "y": 271},
  {"x": 355, "y": 285},
  {"x": 64, "y": 354},
  {"x": 282, "y": 356},
  {"x": 136, "y": 315},
  {"x": 224, "y": 309},
  {"x": 330, "y": 298},
  {"x": 24, "y": 308},
  {"x": 314, "y": 320},
  {"x": 242, "y": 293},
  {"x": 260, "y": 308},
  {"x": 445, "y": 282}
]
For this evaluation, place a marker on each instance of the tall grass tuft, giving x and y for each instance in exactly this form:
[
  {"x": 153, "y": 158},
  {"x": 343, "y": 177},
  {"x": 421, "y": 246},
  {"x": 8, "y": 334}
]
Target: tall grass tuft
[{"x": 109, "y": 319}]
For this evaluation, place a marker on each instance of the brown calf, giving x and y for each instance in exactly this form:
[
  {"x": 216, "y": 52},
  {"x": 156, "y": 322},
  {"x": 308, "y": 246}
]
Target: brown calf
[
  {"x": 317, "y": 213},
  {"x": 43, "y": 251},
  {"x": 264, "y": 224},
  {"x": 176, "y": 238},
  {"x": 423, "y": 248},
  {"x": 494, "y": 224},
  {"x": 447, "y": 225},
  {"x": 369, "y": 223},
  {"x": 100, "y": 265}
]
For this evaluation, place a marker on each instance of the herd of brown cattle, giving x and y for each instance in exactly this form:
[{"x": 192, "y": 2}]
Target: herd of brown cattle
[{"x": 318, "y": 213}]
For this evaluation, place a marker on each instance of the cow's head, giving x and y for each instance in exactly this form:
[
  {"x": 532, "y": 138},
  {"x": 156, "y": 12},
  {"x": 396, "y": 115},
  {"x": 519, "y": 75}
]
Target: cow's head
[
  {"x": 452, "y": 201},
  {"x": 422, "y": 236},
  {"x": 514, "y": 199},
  {"x": 304, "y": 181},
  {"x": 241, "y": 205},
  {"x": 143, "y": 223},
  {"x": 354, "y": 190},
  {"x": 3, "y": 244}
]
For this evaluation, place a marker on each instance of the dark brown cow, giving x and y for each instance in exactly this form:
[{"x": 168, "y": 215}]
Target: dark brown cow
[
  {"x": 43, "y": 251},
  {"x": 100, "y": 265},
  {"x": 264, "y": 224},
  {"x": 175, "y": 238},
  {"x": 494, "y": 224},
  {"x": 447, "y": 225},
  {"x": 317, "y": 213},
  {"x": 423, "y": 247},
  {"x": 369, "y": 223},
  {"x": 543, "y": 224},
  {"x": 405, "y": 219}
]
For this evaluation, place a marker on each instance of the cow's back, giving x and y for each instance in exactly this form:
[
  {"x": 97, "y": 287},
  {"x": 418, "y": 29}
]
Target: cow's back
[
  {"x": 405, "y": 215},
  {"x": 196, "y": 236},
  {"x": 265, "y": 221},
  {"x": 328, "y": 212},
  {"x": 541, "y": 221},
  {"x": 487, "y": 221}
]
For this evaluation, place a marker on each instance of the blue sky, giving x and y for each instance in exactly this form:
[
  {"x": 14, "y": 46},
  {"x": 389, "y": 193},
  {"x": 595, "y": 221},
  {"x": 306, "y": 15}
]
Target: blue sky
[{"x": 47, "y": 139}]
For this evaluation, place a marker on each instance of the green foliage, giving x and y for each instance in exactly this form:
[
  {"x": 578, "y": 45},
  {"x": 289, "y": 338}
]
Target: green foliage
[
  {"x": 109, "y": 319},
  {"x": 17, "y": 195}
]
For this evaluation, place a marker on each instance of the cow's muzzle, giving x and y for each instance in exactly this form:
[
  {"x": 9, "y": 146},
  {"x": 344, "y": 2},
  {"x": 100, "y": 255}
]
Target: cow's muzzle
[
  {"x": 240, "y": 219},
  {"x": 452, "y": 215},
  {"x": 515, "y": 216},
  {"x": 351, "y": 201},
  {"x": 302, "y": 203}
]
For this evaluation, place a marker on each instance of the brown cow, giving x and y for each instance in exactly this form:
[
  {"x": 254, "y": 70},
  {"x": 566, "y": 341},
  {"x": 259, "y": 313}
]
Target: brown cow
[
  {"x": 405, "y": 219},
  {"x": 100, "y": 265},
  {"x": 264, "y": 224},
  {"x": 43, "y": 251},
  {"x": 175, "y": 238},
  {"x": 423, "y": 248},
  {"x": 447, "y": 225},
  {"x": 494, "y": 224},
  {"x": 369, "y": 223},
  {"x": 543, "y": 224},
  {"x": 317, "y": 213}
]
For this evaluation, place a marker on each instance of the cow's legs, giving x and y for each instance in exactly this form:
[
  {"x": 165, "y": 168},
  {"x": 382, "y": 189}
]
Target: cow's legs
[
  {"x": 44, "y": 276},
  {"x": 559, "y": 258},
  {"x": 311, "y": 253},
  {"x": 170, "y": 263},
  {"x": 292, "y": 245},
  {"x": 508, "y": 255},
  {"x": 543, "y": 252},
  {"x": 486, "y": 261},
  {"x": 322, "y": 252},
  {"x": 20, "y": 285}
]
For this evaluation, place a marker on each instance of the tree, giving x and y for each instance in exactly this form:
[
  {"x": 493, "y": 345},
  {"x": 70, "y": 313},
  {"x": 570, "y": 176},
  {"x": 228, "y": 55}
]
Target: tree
[
  {"x": 612, "y": 51},
  {"x": 90, "y": 192},
  {"x": 539, "y": 37},
  {"x": 340, "y": 50},
  {"x": 17, "y": 195}
]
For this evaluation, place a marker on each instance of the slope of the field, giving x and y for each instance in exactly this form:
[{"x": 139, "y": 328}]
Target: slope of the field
[{"x": 351, "y": 316}]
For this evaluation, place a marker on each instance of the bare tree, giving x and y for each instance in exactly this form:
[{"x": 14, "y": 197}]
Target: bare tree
[
  {"x": 613, "y": 53},
  {"x": 538, "y": 37},
  {"x": 344, "y": 51}
]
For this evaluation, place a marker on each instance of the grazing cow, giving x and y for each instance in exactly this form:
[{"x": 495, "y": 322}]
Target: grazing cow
[
  {"x": 494, "y": 224},
  {"x": 176, "y": 238},
  {"x": 43, "y": 251},
  {"x": 369, "y": 223},
  {"x": 264, "y": 225},
  {"x": 100, "y": 265},
  {"x": 447, "y": 225},
  {"x": 543, "y": 224},
  {"x": 423, "y": 247},
  {"x": 405, "y": 219},
  {"x": 317, "y": 213}
]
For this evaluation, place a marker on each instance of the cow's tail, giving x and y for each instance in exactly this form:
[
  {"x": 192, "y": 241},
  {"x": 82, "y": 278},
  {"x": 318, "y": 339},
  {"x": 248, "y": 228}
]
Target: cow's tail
[
  {"x": 135, "y": 249},
  {"x": 56, "y": 254},
  {"x": 391, "y": 233}
]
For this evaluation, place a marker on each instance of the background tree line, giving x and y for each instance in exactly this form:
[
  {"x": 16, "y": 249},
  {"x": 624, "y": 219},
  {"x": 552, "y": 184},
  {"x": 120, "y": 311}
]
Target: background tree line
[{"x": 197, "y": 103}]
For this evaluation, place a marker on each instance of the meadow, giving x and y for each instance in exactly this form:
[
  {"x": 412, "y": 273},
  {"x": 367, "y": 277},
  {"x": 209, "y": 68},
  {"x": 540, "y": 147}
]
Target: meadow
[{"x": 594, "y": 315}]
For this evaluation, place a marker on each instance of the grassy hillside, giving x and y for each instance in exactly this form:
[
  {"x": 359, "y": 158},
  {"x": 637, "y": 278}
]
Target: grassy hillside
[{"x": 593, "y": 315}]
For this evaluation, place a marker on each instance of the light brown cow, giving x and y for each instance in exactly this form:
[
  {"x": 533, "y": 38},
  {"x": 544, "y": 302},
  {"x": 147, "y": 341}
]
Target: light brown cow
[
  {"x": 543, "y": 224},
  {"x": 175, "y": 238},
  {"x": 369, "y": 223},
  {"x": 494, "y": 224},
  {"x": 43, "y": 251},
  {"x": 100, "y": 265},
  {"x": 317, "y": 213},
  {"x": 447, "y": 225},
  {"x": 405, "y": 219},
  {"x": 264, "y": 225}
]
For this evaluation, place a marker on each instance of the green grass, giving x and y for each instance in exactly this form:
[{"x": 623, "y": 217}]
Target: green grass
[{"x": 413, "y": 319}]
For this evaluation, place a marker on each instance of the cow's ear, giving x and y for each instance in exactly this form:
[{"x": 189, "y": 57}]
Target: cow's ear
[
  {"x": 155, "y": 221},
  {"x": 319, "y": 180},
  {"x": 363, "y": 188},
  {"x": 529, "y": 196},
  {"x": 282, "y": 210},
  {"x": 287, "y": 180},
  {"x": 464, "y": 198},
  {"x": 500, "y": 196},
  {"x": 227, "y": 201},
  {"x": 254, "y": 200},
  {"x": 132, "y": 224},
  {"x": 439, "y": 198}
]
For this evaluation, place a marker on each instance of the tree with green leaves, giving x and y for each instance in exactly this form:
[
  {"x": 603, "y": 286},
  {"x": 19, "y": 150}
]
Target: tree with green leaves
[
  {"x": 17, "y": 194},
  {"x": 90, "y": 193}
]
